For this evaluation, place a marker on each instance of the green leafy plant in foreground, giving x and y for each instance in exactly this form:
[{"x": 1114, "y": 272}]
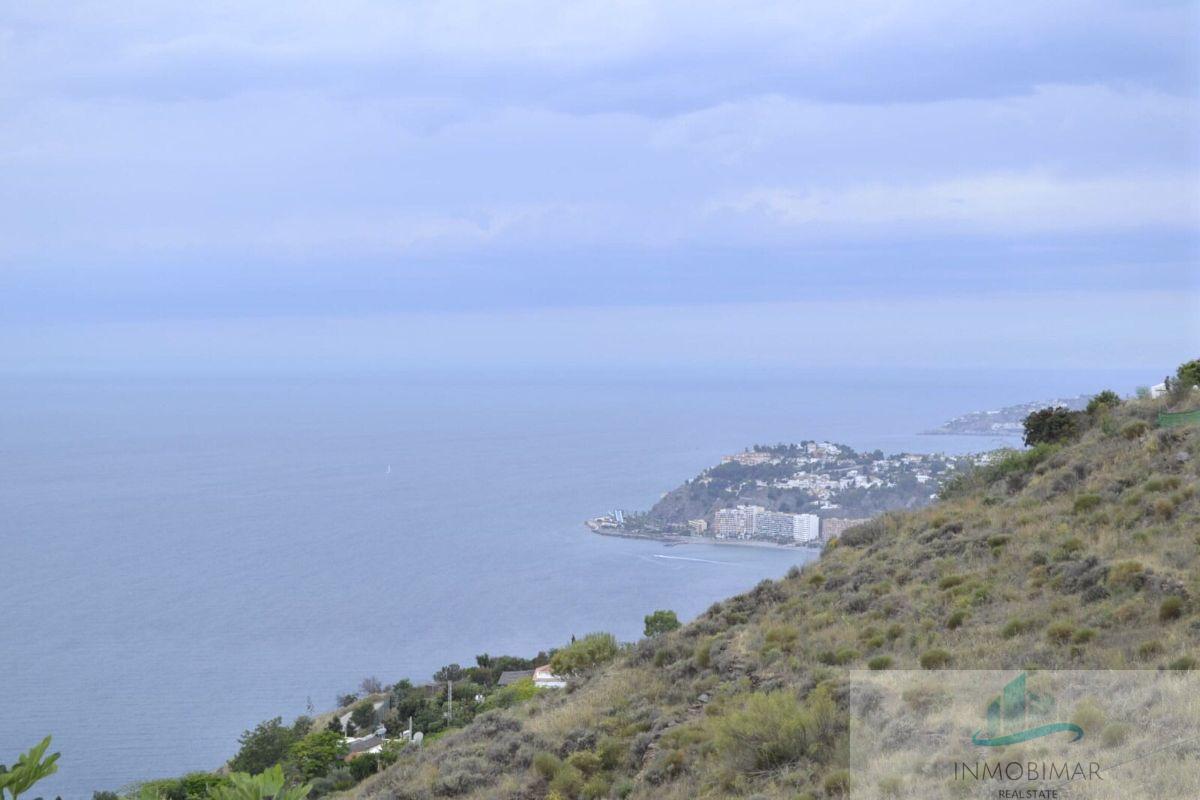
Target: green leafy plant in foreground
[
  {"x": 267, "y": 785},
  {"x": 29, "y": 769}
]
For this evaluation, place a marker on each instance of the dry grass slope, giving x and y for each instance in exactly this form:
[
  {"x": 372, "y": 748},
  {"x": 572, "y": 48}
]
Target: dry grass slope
[{"x": 1081, "y": 556}]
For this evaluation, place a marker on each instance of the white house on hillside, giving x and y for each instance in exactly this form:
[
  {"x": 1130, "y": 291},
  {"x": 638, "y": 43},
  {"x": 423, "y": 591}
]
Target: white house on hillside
[{"x": 543, "y": 678}]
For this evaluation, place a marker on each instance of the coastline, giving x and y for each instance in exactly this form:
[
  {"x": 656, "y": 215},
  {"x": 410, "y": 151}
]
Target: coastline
[{"x": 675, "y": 540}]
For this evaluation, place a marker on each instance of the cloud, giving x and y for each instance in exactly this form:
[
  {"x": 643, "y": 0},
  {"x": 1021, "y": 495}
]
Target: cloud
[
  {"x": 184, "y": 160},
  {"x": 1008, "y": 204},
  {"x": 645, "y": 56}
]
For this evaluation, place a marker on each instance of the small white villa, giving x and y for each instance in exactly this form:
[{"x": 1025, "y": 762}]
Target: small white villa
[{"x": 543, "y": 678}]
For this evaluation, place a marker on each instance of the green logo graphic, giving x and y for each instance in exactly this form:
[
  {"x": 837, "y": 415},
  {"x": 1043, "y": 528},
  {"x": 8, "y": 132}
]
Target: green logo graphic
[{"x": 1013, "y": 716}]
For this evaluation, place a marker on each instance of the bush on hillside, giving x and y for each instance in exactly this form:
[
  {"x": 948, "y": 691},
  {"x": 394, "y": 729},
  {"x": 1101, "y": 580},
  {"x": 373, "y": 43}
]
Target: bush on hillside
[
  {"x": 935, "y": 659},
  {"x": 584, "y": 654},
  {"x": 363, "y": 715},
  {"x": 1171, "y": 609},
  {"x": 264, "y": 747},
  {"x": 1135, "y": 429},
  {"x": 773, "y": 729},
  {"x": 661, "y": 621},
  {"x": 1102, "y": 402},
  {"x": 1188, "y": 374},
  {"x": 1051, "y": 426}
]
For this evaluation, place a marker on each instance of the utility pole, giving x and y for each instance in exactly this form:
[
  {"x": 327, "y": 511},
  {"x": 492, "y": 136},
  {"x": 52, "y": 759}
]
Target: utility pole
[{"x": 449, "y": 701}]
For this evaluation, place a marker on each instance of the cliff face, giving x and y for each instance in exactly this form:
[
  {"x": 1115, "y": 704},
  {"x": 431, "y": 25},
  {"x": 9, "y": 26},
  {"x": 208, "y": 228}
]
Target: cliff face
[{"x": 1084, "y": 554}]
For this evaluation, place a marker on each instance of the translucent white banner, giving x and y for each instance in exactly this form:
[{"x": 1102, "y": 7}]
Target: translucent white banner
[{"x": 1023, "y": 735}]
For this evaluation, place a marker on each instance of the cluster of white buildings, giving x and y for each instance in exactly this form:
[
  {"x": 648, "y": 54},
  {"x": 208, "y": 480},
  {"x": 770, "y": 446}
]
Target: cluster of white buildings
[{"x": 756, "y": 522}]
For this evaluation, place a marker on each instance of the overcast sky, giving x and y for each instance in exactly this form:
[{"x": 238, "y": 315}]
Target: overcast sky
[{"x": 599, "y": 183}]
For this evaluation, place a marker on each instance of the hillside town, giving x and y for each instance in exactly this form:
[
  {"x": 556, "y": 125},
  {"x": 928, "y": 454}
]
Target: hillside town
[{"x": 789, "y": 494}]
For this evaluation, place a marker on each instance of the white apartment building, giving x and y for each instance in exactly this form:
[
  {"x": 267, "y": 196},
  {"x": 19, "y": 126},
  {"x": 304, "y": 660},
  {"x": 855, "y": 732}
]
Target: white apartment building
[
  {"x": 806, "y": 527},
  {"x": 773, "y": 525}
]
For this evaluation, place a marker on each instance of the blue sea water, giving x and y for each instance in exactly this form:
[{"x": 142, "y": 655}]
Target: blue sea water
[{"x": 181, "y": 558}]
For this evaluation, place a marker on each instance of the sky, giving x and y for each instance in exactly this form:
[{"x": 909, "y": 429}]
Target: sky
[{"x": 261, "y": 185}]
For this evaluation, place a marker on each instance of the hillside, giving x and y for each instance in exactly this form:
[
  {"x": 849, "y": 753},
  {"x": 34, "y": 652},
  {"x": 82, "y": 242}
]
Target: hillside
[
  {"x": 822, "y": 478},
  {"x": 1080, "y": 554}
]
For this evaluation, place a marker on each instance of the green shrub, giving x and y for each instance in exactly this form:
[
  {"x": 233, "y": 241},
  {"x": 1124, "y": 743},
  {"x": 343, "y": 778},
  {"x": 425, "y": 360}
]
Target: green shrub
[
  {"x": 950, "y": 581},
  {"x": 935, "y": 659},
  {"x": 703, "y": 653},
  {"x": 514, "y": 694},
  {"x": 1016, "y": 462},
  {"x": 546, "y": 765},
  {"x": 1125, "y": 574},
  {"x": 567, "y": 782},
  {"x": 1060, "y": 633},
  {"x": 595, "y": 789},
  {"x": 318, "y": 753},
  {"x": 1170, "y": 609},
  {"x": 363, "y": 715},
  {"x": 1149, "y": 650},
  {"x": 1083, "y": 636},
  {"x": 1088, "y": 716},
  {"x": 956, "y": 620},
  {"x": 772, "y": 729},
  {"x": 782, "y": 637},
  {"x": 1016, "y": 627},
  {"x": 837, "y": 659},
  {"x": 584, "y": 654},
  {"x": 880, "y": 662},
  {"x": 1051, "y": 426},
  {"x": 1103, "y": 402},
  {"x": 1086, "y": 502},
  {"x": 661, "y": 621},
  {"x": 837, "y": 783},
  {"x": 1183, "y": 663},
  {"x": 585, "y": 761},
  {"x": 1188, "y": 374},
  {"x": 1135, "y": 429}
]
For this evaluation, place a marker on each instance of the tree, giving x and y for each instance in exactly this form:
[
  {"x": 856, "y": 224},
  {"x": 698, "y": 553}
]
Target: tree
[
  {"x": 335, "y": 724},
  {"x": 1051, "y": 425},
  {"x": 317, "y": 753},
  {"x": 1188, "y": 374},
  {"x": 661, "y": 621},
  {"x": 363, "y": 715},
  {"x": 346, "y": 700},
  {"x": 268, "y": 785},
  {"x": 449, "y": 673},
  {"x": 371, "y": 685},
  {"x": 1103, "y": 401},
  {"x": 263, "y": 747},
  {"x": 30, "y": 768}
]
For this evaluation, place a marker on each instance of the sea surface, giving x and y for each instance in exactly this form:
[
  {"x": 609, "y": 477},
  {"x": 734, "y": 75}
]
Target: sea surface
[{"x": 183, "y": 557}]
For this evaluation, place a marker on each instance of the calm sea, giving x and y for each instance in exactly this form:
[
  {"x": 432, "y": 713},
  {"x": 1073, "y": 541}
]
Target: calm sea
[{"x": 184, "y": 557}]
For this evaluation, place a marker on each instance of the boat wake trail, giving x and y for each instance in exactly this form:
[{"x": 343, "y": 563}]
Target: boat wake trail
[{"x": 697, "y": 560}]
